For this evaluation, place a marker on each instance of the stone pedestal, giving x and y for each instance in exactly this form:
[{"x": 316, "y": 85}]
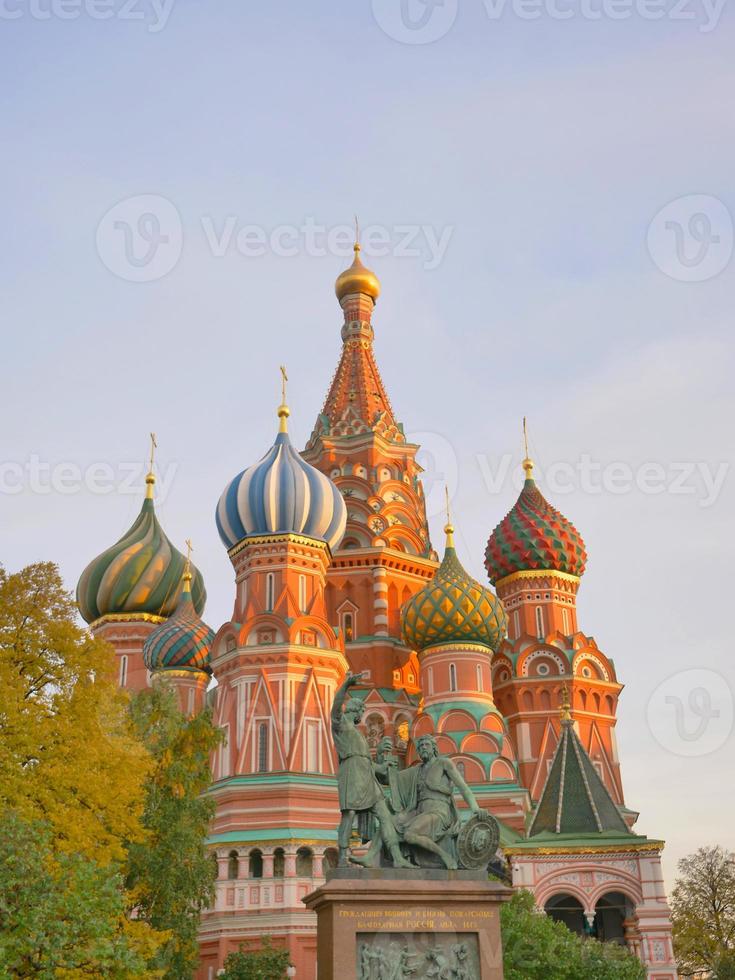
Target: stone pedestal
[{"x": 408, "y": 924}]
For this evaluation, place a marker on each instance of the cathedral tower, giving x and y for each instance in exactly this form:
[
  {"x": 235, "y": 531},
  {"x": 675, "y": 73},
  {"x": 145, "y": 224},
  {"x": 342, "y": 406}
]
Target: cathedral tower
[
  {"x": 386, "y": 554},
  {"x": 278, "y": 663},
  {"x": 535, "y": 558}
]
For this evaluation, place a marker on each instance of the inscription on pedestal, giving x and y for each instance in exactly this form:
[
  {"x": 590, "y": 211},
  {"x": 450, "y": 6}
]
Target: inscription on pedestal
[{"x": 417, "y": 956}]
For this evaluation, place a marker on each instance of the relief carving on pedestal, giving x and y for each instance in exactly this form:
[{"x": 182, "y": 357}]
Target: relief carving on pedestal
[{"x": 417, "y": 956}]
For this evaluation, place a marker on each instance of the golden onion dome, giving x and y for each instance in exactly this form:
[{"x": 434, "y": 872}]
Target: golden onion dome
[{"x": 357, "y": 279}]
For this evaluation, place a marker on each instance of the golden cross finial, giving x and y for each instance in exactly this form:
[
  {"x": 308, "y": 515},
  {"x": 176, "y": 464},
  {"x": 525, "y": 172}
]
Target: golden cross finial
[
  {"x": 150, "y": 478},
  {"x": 448, "y": 527},
  {"x": 187, "y": 566},
  {"x": 283, "y": 409},
  {"x": 565, "y": 708},
  {"x": 357, "y": 232},
  {"x": 527, "y": 462}
]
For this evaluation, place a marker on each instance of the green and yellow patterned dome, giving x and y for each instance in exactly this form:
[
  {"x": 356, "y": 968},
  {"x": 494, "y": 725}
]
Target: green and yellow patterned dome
[
  {"x": 452, "y": 608},
  {"x": 140, "y": 575}
]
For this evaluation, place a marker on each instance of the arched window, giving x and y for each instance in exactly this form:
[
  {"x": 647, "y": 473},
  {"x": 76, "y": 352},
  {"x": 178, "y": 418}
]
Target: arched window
[
  {"x": 596, "y": 702},
  {"x": 302, "y": 593},
  {"x": 304, "y": 862},
  {"x": 331, "y": 857},
  {"x": 452, "y": 677},
  {"x": 516, "y": 624},
  {"x": 263, "y": 747},
  {"x": 480, "y": 685},
  {"x": 270, "y": 591},
  {"x": 279, "y": 863},
  {"x": 565, "y": 620},
  {"x": 539, "y": 622},
  {"x": 348, "y": 627},
  {"x": 255, "y": 864},
  {"x": 431, "y": 680},
  {"x": 123, "y": 670},
  {"x": 527, "y": 701},
  {"x": 545, "y": 701},
  {"x": 233, "y": 865},
  {"x": 215, "y": 863},
  {"x": 460, "y": 769}
]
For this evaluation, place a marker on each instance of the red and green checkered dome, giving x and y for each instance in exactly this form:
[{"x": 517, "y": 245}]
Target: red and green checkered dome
[{"x": 534, "y": 536}]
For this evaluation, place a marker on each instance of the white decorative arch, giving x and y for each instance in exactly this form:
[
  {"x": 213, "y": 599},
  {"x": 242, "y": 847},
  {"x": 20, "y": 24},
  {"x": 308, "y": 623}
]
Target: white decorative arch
[
  {"x": 537, "y": 655},
  {"x": 584, "y": 655}
]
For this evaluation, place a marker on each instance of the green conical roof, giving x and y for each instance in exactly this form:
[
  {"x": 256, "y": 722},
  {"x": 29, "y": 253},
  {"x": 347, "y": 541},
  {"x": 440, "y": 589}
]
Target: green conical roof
[{"x": 574, "y": 799}]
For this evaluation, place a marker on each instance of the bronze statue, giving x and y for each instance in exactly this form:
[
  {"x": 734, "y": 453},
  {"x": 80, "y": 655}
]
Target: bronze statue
[
  {"x": 359, "y": 792},
  {"x": 413, "y": 822}
]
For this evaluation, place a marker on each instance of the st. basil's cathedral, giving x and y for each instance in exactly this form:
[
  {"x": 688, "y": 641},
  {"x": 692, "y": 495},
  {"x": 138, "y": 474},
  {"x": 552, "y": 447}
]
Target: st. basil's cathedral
[{"x": 334, "y": 570}]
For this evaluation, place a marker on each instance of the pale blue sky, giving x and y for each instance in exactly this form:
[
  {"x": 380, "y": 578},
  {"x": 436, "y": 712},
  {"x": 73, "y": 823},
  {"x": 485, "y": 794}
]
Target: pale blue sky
[{"x": 543, "y": 149}]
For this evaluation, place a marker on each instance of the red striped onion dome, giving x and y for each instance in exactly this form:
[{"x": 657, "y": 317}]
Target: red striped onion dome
[
  {"x": 183, "y": 641},
  {"x": 534, "y": 536}
]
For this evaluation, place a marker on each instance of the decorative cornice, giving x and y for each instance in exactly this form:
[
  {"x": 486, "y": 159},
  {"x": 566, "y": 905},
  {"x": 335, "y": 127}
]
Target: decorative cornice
[
  {"x": 127, "y": 618},
  {"x": 457, "y": 646},
  {"x": 289, "y": 538},
  {"x": 537, "y": 573},
  {"x": 582, "y": 849}
]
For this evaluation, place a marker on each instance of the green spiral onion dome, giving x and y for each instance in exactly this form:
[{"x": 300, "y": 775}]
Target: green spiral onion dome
[
  {"x": 453, "y": 608},
  {"x": 141, "y": 574},
  {"x": 534, "y": 536},
  {"x": 181, "y": 642}
]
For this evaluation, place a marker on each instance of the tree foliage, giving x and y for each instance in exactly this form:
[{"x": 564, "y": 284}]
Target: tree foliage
[
  {"x": 535, "y": 947},
  {"x": 63, "y": 915},
  {"x": 703, "y": 912},
  {"x": 265, "y": 964},
  {"x": 69, "y": 756},
  {"x": 71, "y": 792},
  {"x": 170, "y": 874}
]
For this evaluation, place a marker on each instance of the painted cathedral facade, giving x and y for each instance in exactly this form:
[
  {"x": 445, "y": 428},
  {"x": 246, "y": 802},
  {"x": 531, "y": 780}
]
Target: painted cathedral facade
[{"x": 334, "y": 570}]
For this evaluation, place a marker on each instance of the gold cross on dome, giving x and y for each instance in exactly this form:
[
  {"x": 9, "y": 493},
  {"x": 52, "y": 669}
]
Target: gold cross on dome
[
  {"x": 154, "y": 447},
  {"x": 284, "y": 379}
]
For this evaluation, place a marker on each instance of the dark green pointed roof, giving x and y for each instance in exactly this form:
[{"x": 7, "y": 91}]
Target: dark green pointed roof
[{"x": 575, "y": 800}]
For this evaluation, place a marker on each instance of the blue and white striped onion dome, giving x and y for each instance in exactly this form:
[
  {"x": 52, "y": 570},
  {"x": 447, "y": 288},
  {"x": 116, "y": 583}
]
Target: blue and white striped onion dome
[{"x": 281, "y": 494}]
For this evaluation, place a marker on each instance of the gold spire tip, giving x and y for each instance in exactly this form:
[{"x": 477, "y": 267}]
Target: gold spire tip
[
  {"x": 527, "y": 462},
  {"x": 187, "y": 567},
  {"x": 565, "y": 708},
  {"x": 283, "y": 409},
  {"x": 150, "y": 476},
  {"x": 448, "y": 527}
]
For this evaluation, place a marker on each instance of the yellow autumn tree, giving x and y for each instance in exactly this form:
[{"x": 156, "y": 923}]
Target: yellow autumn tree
[{"x": 72, "y": 777}]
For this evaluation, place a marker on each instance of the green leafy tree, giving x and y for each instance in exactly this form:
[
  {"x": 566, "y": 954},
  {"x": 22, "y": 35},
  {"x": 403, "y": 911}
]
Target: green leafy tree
[
  {"x": 62, "y": 915},
  {"x": 535, "y": 947},
  {"x": 71, "y": 792},
  {"x": 170, "y": 874},
  {"x": 265, "y": 964},
  {"x": 703, "y": 912}
]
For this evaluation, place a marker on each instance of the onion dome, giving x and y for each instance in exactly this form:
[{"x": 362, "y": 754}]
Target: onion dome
[
  {"x": 140, "y": 575},
  {"x": 281, "y": 494},
  {"x": 453, "y": 608},
  {"x": 534, "y": 536},
  {"x": 183, "y": 641},
  {"x": 357, "y": 279}
]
